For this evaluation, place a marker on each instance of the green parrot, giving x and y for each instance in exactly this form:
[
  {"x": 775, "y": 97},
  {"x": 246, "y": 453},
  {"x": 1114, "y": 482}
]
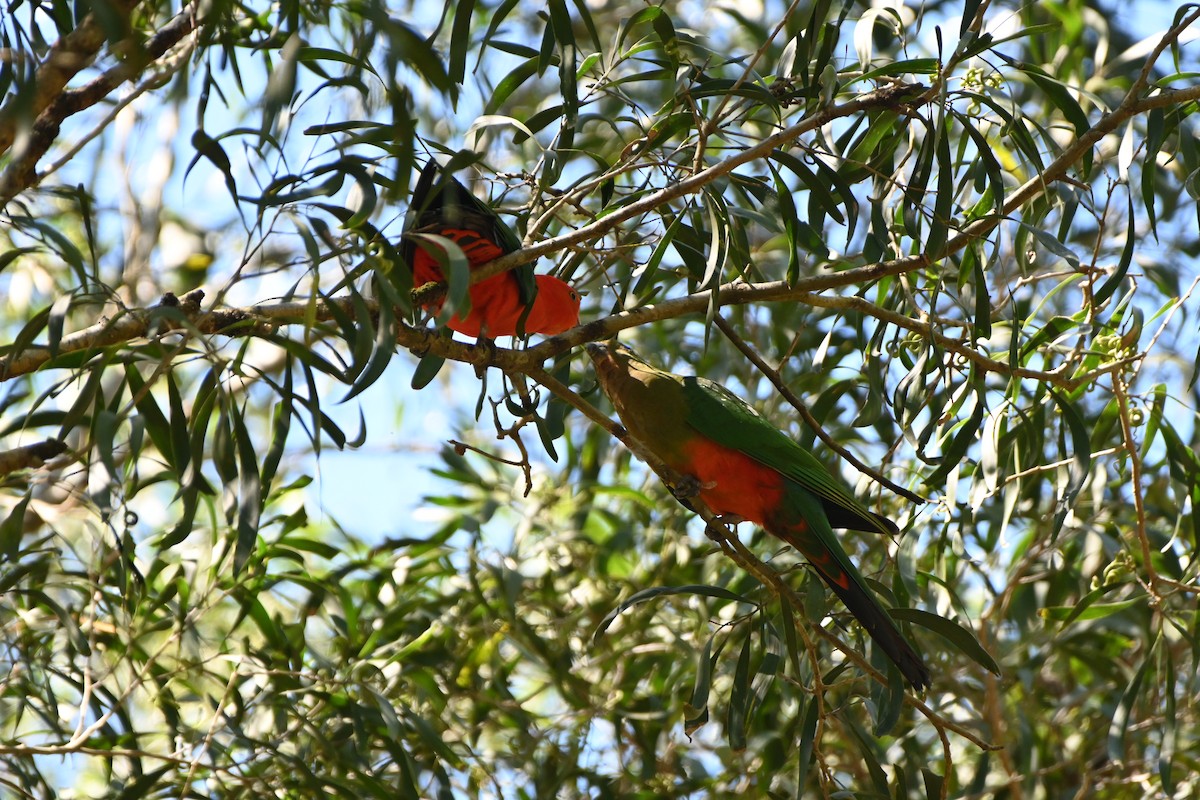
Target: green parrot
[{"x": 743, "y": 466}]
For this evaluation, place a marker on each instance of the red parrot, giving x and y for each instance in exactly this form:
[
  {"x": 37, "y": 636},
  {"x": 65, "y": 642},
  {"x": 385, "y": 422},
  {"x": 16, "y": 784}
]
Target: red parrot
[
  {"x": 444, "y": 207},
  {"x": 743, "y": 466}
]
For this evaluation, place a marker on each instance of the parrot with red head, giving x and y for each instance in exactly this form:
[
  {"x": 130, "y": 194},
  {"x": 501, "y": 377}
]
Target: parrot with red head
[{"x": 516, "y": 302}]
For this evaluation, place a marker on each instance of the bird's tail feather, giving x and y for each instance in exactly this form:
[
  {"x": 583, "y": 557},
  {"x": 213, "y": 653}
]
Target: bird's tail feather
[
  {"x": 847, "y": 583},
  {"x": 880, "y": 626}
]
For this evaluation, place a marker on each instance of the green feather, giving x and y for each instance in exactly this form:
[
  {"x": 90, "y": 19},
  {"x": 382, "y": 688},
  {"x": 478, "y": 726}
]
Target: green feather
[{"x": 718, "y": 414}]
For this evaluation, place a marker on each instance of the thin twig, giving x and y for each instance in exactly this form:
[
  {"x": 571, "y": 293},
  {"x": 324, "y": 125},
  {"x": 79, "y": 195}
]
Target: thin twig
[
  {"x": 1166, "y": 41},
  {"x": 1120, "y": 391}
]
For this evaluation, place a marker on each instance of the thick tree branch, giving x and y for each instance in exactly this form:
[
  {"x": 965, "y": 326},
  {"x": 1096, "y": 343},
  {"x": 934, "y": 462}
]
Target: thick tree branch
[
  {"x": 170, "y": 314},
  {"x": 31, "y": 455},
  {"x": 65, "y": 59},
  {"x": 21, "y": 172},
  {"x": 175, "y": 315}
]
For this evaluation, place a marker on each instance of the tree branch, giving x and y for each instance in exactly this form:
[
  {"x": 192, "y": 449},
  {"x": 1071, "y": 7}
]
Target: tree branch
[
  {"x": 887, "y": 97},
  {"x": 65, "y": 59},
  {"x": 31, "y": 455},
  {"x": 173, "y": 314},
  {"x": 53, "y": 108}
]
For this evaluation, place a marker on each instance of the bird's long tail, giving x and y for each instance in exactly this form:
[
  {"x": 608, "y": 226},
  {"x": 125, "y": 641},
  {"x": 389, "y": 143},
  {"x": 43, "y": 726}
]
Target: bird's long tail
[
  {"x": 835, "y": 568},
  {"x": 863, "y": 604}
]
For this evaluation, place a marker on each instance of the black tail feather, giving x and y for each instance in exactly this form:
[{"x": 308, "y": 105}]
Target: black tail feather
[{"x": 882, "y": 628}]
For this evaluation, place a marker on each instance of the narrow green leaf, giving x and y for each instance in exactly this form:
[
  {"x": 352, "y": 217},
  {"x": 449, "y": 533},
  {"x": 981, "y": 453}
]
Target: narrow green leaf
[
  {"x": 142, "y": 785},
  {"x": 943, "y": 201},
  {"x": 647, "y": 280},
  {"x": 1166, "y": 752},
  {"x": 868, "y": 748},
  {"x": 953, "y": 453},
  {"x": 697, "y": 710},
  {"x": 224, "y": 457},
  {"x": 911, "y": 66},
  {"x": 1087, "y": 608},
  {"x": 12, "y": 529},
  {"x": 383, "y": 346},
  {"x": 427, "y": 369},
  {"x": 157, "y": 424},
  {"x": 54, "y": 326},
  {"x": 249, "y": 491},
  {"x": 739, "y": 699},
  {"x": 210, "y": 149},
  {"x": 183, "y": 526},
  {"x": 564, "y": 36},
  {"x": 180, "y": 453},
  {"x": 1155, "y": 137},
  {"x": 79, "y": 642},
  {"x": 1060, "y": 95},
  {"x": 934, "y": 784},
  {"x": 808, "y": 741},
  {"x": 460, "y": 40},
  {"x": 1157, "y": 407},
  {"x": 59, "y": 243},
  {"x": 790, "y": 219},
  {"x": 281, "y": 425},
  {"x": 642, "y": 15},
  {"x": 662, "y": 591},
  {"x": 22, "y": 341},
  {"x": 419, "y": 54},
  {"x": 969, "y": 9},
  {"x": 9, "y": 256},
  {"x": 1079, "y": 449},
  {"x": 1118, "y": 729},
  {"x": 1113, "y": 281},
  {"x": 818, "y": 191},
  {"x": 509, "y": 84},
  {"x": 104, "y": 430},
  {"x": 498, "y": 16},
  {"x": 788, "y": 624},
  {"x": 888, "y": 695},
  {"x": 952, "y": 632}
]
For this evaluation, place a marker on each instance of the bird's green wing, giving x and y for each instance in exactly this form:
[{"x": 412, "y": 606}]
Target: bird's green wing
[{"x": 715, "y": 412}]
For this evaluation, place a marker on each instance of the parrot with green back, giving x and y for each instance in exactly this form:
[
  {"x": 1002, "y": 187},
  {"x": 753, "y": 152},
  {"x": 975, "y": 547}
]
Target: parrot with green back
[
  {"x": 743, "y": 466},
  {"x": 509, "y": 304}
]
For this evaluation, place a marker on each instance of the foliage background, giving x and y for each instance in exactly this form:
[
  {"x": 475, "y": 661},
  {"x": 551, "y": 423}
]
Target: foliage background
[{"x": 965, "y": 245}]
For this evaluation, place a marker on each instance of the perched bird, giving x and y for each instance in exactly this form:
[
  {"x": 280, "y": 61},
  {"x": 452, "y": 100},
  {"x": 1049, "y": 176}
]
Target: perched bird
[
  {"x": 743, "y": 466},
  {"x": 508, "y": 304}
]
